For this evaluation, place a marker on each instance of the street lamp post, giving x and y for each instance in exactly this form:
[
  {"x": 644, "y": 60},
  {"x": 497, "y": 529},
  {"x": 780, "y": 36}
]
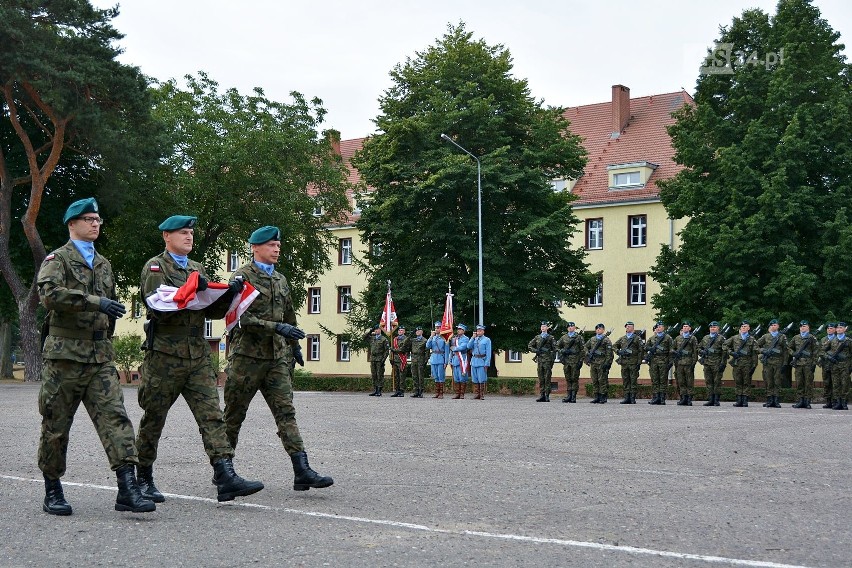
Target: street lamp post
[{"x": 479, "y": 217}]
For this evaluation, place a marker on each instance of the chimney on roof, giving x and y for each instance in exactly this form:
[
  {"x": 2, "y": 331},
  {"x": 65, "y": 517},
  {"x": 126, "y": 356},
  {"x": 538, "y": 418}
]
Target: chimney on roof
[
  {"x": 333, "y": 137},
  {"x": 620, "y": 109}
]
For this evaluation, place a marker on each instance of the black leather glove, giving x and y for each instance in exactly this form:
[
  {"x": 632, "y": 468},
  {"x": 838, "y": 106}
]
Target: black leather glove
[
  {"x": 112, "y": 308},
  {"x": 235, "y": 286},
  {"x": 297, "y": 355},
  {"x": 202, "y": 283},
  {"x": 289, "y": 331}
]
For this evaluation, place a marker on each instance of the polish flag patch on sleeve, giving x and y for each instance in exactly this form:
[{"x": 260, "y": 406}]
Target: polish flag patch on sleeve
[
  {"x": 155, "y": 268},
  {"x": 51, "y": 256}
]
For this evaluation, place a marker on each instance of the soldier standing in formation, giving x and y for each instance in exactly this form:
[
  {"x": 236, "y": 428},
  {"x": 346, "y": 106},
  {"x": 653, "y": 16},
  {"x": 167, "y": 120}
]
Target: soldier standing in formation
[
  {"x": 418, "y": 361},
  {"x": 178, "y": 363},
  {"x": 772, "y": 347},
  {"x": 459, "y": 360},
  {"x": 713, "y": 356},
  {"x": 438, "y": 359},
  {"x": 684, "y": 357},
  {"x": 572, "y": 351},
  {"x": 599, "y": 360},
  {"x": 838, "y": 353},
  {"x": 629, "y": 349},
  {"x": 827, "y": 367},
  {"x": 399, "y": 360},
  {"x": 658, "y": 351},
  {"x": 544, "y": 346},
  {"x": 804, "y": 352},
  {"x": 480, "y": 358},
  {"x": 744, "y": 359},
  {"x": 261, "y": 357},
  {"x": 77, "y": 287},
  {"x": 379, "y": 349}
]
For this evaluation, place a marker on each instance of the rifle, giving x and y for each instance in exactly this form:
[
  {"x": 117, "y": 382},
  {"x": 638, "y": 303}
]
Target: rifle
[
  {"x": 835, "y": 358},
  {"x": 626, "y": 350},
  {"x": 679, "y": 353},
  {"x": 591, "y": 354},
  {"x": 735, "y": 356},
  {"x": 653, "y": 350},
  {"x": 702, "y": 353},
  {"x": 569, "y": 349},
  {"x": 764, "y": 357}
]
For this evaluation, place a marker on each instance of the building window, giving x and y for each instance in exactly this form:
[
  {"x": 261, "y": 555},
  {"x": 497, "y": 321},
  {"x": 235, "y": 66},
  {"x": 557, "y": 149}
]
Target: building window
[
  {"x": 376, "y": 247},
  {"x": 558, "y": 185},
  {"x": 626, "y": 179},
  {"x": 344, "y": 299},
  {"x": 313, "y": 347},
  {"x": 317, "y": 212},
  {"x": 233, "y": 261},
  {"x": 314, "y": 297},
  {"x": 137, "y": 308},
  {"x": 597, "y": 299},
  {"x": 637, "y": 231},
  {"x": 594, "y": 234},
  {"x": 208, "y": 328},
  {"x": 344, "y": 251},
  {"x": 343, "y": 353},
  {"x": 513, "y": 356},
  {"x": 636, "y": 289}
]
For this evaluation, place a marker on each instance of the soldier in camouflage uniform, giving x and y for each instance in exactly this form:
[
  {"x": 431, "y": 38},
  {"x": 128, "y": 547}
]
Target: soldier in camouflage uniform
[
  {"x": 178, "y": 363},
  {"x": 743, "y": 360},
  {"x": 77, "y": 287},
  {"x": 544, "y": 347},
  {"x": 629, "y": 349},
  {"x": 772, "y": 347},
  {"x": 263, "y": 346},
  {"x": 827, "y": 367},
  {"x": 713, "y": 356},
  {"x": 839, "y": 353},
  {"x": 418, "y": 361},
  {"x": 684, "y": 357},
  {"x": 658, "y": 353},
  {"x": 572, "y": 351},
  {"x": 379, "y": 349},
  {"x": 804, "y": 351},
  {"x": 400, "y": 348},
  {"x": 599, "y": 360}
]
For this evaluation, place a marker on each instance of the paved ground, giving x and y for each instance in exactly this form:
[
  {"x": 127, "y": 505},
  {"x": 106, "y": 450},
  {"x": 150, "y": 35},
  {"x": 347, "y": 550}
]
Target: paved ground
[{"x": 504, "y": 482}]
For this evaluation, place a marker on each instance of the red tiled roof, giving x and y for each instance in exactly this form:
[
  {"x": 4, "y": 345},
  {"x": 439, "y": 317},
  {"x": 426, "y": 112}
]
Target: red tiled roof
[
  {"x": 644, "y": 139},
  {"x": 347, "y": 150}
]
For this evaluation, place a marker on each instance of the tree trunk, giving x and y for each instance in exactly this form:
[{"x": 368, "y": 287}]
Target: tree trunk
[
  {"x": 5, "y": 350},
  {"x": 30, "y": 335}
]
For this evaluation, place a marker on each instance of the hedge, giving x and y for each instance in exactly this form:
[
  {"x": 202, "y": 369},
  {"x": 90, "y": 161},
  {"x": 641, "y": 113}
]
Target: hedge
[{"x": 700, "y": 393}]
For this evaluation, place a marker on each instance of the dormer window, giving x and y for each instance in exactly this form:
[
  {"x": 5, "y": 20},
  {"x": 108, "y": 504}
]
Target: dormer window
[
  {"x": 630, "y": 176},
  {"x": 627, "y": 178}
]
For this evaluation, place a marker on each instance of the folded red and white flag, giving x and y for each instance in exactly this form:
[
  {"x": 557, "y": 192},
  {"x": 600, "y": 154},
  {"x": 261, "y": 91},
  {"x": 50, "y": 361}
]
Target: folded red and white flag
[{"x": 188, "y": 297}]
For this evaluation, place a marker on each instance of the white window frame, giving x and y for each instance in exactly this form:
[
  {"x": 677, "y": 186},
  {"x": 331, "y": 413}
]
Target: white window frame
[
  {"x": 344, "y": 352},
  {"x": 233, "y": 260},
  {"x": 513, "y": 356},
  {"x": 627, "y": 179},
  {"x": 597, "y": 299},
  {"x": 594, "y": 227},
  {"x": 345, "y": 248},
  {"x": 208, "y": 328},
  {"x": 313, "y": 351},
  {"x": 314, "y": 300},
  {"x": 344, "y": 299},
  {"x": 637, "y": 231},
  {"x": 637, "y": 289}
]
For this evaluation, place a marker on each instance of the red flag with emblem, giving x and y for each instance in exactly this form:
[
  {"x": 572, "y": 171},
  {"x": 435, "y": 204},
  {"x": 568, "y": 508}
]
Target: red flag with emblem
[
  {"x": 388, "y": 320},
  {"x": 446, "y": 329}
]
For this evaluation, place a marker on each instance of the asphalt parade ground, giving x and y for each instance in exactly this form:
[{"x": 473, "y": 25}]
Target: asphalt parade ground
[{"x": 424, "y": 482}]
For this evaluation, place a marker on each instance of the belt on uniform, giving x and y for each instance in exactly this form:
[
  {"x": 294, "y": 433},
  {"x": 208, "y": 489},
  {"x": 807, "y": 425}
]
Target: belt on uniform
[
  {"x": 480, "y": 356},
  {"x": 70, "y": 333},
  {"x": 177, "y": 330}
]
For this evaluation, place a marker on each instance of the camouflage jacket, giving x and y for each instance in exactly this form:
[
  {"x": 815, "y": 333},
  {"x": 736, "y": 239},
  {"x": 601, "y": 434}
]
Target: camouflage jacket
[
  {"x": 713, "y": 350},
  {"x": 575, "y": 347},
  {"x": 774, "y": 355},
  {"x": 745, "y": 350},
  {"x": 400, "y": 345},
  {"x": 179, "y": 333},
  {"x": 543, "y": 347},
  {"x": 418, "y": 349},
  {"x": 686, "y": 350},
  {"x": 806, "y": 349},
  {"x": 72, "y": 292},
  {"x": 660, "y": 347},
  {"x": 629, "y": 349},
  {"x": 254, "y": 335},
  {"x": 379, "y": 347},
  {"x": 602, "y": 355}
]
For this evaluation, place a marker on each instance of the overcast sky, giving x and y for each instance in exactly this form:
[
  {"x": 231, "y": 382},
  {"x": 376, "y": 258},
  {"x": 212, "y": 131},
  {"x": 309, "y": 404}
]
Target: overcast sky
[{"x": 571, "y": 52}]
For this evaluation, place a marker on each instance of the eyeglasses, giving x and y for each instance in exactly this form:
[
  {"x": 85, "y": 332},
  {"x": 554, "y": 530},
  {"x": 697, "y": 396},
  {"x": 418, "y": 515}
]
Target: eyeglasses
[{"x": 92, "y": 220}]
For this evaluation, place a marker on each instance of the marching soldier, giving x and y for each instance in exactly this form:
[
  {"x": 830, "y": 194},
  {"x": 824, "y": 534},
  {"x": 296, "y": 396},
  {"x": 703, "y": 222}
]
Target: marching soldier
[
  {"x": 804, "y": 352},
  {"x": 743, "y": 360},
  {"x": 77, "y": 287},
  {"x": 572, "y": 351},
  {"x": 629, "y": 349},
  {"x": 713, "y": 356},
  {"x": 480, "y": 359},
  {"x": 418, "y": 361},
  {"x": 839, "y": 355},
  {"x": 599, "y": 360},
  {"x": 438, "y": 359},
  {"x": 544, "y": 346},
  {"x": 379, "y": 349},
  {"x": 772, "y": 347},
  {"x": 685, "y": 355},
  {"x": 658, "y": 350},
  {"x": 399, "y": 360},
  {"x": 827, "y": 367},
  {"x": 459, "y": 360}
]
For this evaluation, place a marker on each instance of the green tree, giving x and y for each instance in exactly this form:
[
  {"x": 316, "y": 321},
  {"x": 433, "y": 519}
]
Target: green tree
[
  {"x": 423, "y": 210},
  {"x": 237, "y": 162},
  {"x": 767, "y": 183},
  {"x": 128, "y": 354},
  {"x": 63, "y": 92}
]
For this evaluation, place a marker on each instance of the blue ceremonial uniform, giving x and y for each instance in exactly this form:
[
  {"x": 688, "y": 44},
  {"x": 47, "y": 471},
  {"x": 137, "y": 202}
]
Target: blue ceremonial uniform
[
  {"x": 480, "y": 352},
  {"x": 458, "y": 359},
  {"x": 439, "y": 358}
]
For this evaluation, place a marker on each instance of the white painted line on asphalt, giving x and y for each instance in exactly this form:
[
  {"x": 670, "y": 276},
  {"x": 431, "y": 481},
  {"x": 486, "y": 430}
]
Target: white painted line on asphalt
[{"x": 424, "y": 528}]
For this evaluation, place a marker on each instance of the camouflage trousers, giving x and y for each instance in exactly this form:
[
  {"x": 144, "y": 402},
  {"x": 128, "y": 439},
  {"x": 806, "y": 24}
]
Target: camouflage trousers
[
  {"x": 545, "y": 373},
  {"x": 572, "y": 376},
  {"x": 417, "y": 371},
  {"x": 772, "y": 378},
  {"x": 164, "y": 379},
  {"x": 840, "y": 379},
  {"x": 805, "y": 381},
  {"x": 64, "y": 385},
  {"x": 630, "y": 377},
  {"x": 742, "y": 380},
  {"x": 827, "y": 383},
  {"x": 600, "y": 380},
  {"x": 274, "y": 379},
  {"x": 713, "y": 377},
  {"x": 685, "y": 375},
  {"x": 377, "y": 370},
  {"x": 658, "y": 368}
]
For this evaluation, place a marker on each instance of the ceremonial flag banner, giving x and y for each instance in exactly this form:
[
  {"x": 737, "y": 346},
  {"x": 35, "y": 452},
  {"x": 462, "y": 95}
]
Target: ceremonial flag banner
[
  {"x": 388, "y": 319},
  {"x": 447, "y": 329},
  {"x": 188, "y": 297}
]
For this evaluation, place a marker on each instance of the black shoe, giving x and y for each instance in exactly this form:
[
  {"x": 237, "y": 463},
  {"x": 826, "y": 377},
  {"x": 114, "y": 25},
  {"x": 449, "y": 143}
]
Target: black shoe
[
  {"x": 654, "y": 398},
  {"x": 229, "y": 484},
  {"x": 54, "y": 499},
  {"x": 573, "y": 397},
  {"x": 379, "y": 392},
  {"x": 397, "y": 394},
  {"x": 662, "y": 399},
  {"x": 775, "y": 403},
  {"x": 145, "y": 481},
  {"x": 414, "y": 394},
  {"x": 718, "y": 399},
  {"x": 710, "y": 400},
  {"x": 129, "y": 497},
  {"x": 739, "y": 402},
  {"x": 567, "y": 398},
  {"x": 596, "y": 400},
  {"x": 843, "y": 402},
  {"x": 375, "y": 391},
  {"x": 547, "y": 398},
  {"x": 689, "y": 400},
  {"x": 828, "y": 403},
  {"x": 626, "y": 399},
  {"x": 807, "y": 403},
  {"x": 745, "y": 401},
  {"x": 682, "y": 401},
  {"x": 305, "y": 477},
  {"x": 542, "y": 398},
  {"x": 604, "y": 398}
]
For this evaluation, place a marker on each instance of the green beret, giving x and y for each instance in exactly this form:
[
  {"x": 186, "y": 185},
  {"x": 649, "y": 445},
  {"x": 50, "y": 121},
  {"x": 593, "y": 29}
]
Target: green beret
[
  {"x": 264, "y": 235},
  {"x": 418, "y": 328},
  {"x": 400, "y": 326},
  {"x": 687, "y": 322},
  {"x": 177, "y": 222},
  {"x": 571, "y": 323},
  {"x": 629, "y": 323},
  {"x": 830, "y": 324},
  {"x": 81, "y": 207},
  {"x": 841, "y": 324},
  {"x": 745, "y": 322},
  {"x": 600, "y": 326},
  {"x": 772, "y": 321},
  {"x": 660, "y": 324},
  {"x": 804, "y": 322},
  {"x": 714, "y": 323}
]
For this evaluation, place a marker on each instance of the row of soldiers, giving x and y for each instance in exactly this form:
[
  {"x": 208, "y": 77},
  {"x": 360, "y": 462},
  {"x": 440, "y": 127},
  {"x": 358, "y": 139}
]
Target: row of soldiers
[{"x": 664, "y": 353}]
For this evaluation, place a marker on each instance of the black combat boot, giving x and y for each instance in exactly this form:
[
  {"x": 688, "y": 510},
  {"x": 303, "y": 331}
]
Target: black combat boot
[
  {"x": 768, "y": 402},
  {"x": 375, "y": 392},
  {"x": 229, "y": 484},
  {"x": 604, "y": 398},
  {"x": 654, "y": 398},
  {"x": 547, "y": 396},
  {"x": 145, "y": 481},
  {"x": 129, "y": 497},
  {"x": 626, "y": 399},
  {"x": 397, "y": 394},
  {"x": 378, "y": 391},
  {"x": 596, "y": 400},
  {"x": 682, "y": 400},
  {"x": 775, "y": 402},
  {"x": 54, "y": 499},
  {"x": 807, "y": 403},
  {"x": 739, "y": 402},
  {"x": 305, "y": 477},
  {"x": 541, "y": 398},
  {"x": 828, "y": 403},
  {"x": 573, "y": 397},
  {"x": 843, "y": 402},
  {"x": 710, "y": 400},
  {"x": 662, "y": 399},
  {"x": 745, "y": 400},
  {"x": 567, "y": 397},
  {"x": 689, "y": 400}
]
